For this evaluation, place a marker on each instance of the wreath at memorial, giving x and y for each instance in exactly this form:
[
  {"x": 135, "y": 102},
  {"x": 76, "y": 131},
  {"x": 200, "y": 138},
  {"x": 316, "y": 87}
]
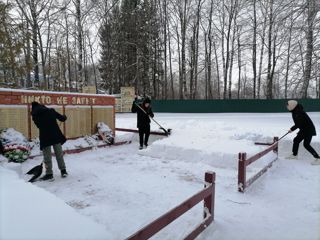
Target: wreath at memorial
[{"x": 15, "y": 146}]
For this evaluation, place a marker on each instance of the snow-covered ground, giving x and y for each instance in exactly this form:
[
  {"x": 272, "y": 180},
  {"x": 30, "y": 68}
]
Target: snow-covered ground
[{"x": 112, "y": 192}]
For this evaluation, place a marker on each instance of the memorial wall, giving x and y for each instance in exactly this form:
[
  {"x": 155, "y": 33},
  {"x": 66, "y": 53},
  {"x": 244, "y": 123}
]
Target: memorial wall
[{"x": 83, "y": 111}]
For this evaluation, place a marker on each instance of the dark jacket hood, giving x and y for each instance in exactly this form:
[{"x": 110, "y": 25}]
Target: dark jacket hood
[
  {"x": 38, "y": 109},
  {"x": 298, "y": 108}
]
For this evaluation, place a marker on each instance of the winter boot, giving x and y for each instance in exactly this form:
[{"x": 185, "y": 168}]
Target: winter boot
[
  {"x": 141, "y": 147},
  {"x": 47, "y": 177},
  {"x": 64, "y": 173},
  {"x": 146, "y": 145},
  {"x": 316, "y": 161}
]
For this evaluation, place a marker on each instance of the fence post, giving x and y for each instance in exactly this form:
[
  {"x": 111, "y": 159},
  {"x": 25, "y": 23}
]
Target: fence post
[
  {"x": 276, "y": 139},
  {"x": 242, "y": 172},
  {"x": 209, "y": 178}
]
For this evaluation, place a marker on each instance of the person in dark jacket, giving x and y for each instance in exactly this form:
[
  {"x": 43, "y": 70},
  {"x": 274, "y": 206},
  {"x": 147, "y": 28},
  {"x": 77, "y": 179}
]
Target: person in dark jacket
[
  {"x": 143, "y": 111},
  {"x": 1, "y": 148},
  {"x": 50, "y": 135},
  {"x": 306, "y": 130}
]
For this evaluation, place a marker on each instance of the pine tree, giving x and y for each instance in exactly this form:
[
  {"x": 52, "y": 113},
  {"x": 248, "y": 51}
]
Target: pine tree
[
  {"x": 110, "y": 58},
  {"x": 130, "y": 46}
]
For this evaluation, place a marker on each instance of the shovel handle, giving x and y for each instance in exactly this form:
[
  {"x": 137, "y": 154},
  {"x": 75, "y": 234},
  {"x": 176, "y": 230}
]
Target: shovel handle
[
  {"x": 283, "y": 136},
  {"x": 166, "y": 132}
]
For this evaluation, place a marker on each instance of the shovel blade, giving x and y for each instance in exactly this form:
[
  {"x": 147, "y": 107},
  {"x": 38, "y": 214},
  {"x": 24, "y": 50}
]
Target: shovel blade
[{"x": 36, "y": 172}]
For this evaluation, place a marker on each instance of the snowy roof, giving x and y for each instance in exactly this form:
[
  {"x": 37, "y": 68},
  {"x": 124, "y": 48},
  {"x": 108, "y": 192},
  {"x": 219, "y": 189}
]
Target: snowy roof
[{"x": 50, "y": 92}]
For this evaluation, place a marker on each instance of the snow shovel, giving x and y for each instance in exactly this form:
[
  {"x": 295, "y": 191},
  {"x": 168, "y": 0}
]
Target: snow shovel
[
  {"x": 283, "y": 136},
  {"x": 167, "y": 132},
  {"x": 259, "y": 143},
  {"x": 36, "y": 172}
]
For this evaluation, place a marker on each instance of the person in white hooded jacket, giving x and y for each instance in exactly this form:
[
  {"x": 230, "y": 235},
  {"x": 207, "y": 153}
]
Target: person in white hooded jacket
[{"x": 307, "y": 131}]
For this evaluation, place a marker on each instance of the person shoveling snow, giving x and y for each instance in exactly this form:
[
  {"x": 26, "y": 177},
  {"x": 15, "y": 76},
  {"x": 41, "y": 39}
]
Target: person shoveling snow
[
  {"x": 50, "y": 135},
  {"x": 307, "y": 131},
  {"x": 143, "y": 111}
]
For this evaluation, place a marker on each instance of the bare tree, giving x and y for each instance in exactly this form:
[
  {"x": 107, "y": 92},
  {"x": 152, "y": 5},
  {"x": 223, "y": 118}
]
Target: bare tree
[
  {"x": 262, "y": 47},
  {"x": 229, "y": 13},
  {"x": 270, "y": 34},
  {"x": 183, "y": 8},
  {"x": 194, "y": 52},
  {"x": 312, "y": 12},
  {"x": 254, "y": 49}
]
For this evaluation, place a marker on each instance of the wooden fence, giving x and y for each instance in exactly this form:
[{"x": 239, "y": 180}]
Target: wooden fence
[
  {"x": 83, "y": 111},
  {"x": 244, "y": 162},
  {"x": 207, "y": 194}
]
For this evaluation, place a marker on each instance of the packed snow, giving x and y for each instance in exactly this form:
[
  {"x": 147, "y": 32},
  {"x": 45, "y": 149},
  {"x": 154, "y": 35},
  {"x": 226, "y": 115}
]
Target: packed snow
[{"x": 112, "y": 192}]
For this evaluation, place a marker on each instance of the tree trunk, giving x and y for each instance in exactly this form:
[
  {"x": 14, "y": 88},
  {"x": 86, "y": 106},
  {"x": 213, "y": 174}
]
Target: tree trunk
[
  {"x": 180, "y": 67},
  {"x": 35, "y": 43},
  {"x": 80, "y": 44},
  {"x": 93, "y": 65},
  {"x": 217, "y": 69},
  {"x": 232, "y": 56},
  {"x": 261, "y": 56},
  {"x": 206, "y": 63},
  {"x": 308, "y": 58},
  {"x": 288, "y": 59},
  {"x": 270, "y": 34},
  {"x": 210, "y": 42},
  {"x": 68, "y": 54},
  {"x": 239, "y": 63},
  {"x": 28, "y": 56},
  {"x": 165, "y": 50},
  {"x": 196, "y": 57},
  {"x": 43, "y": 61},
  {"x": 254, "y": 49},
  {"x": 170, "y": 65},
  {"x": 222, "y": 51},
  {"x": 183, "y": 19}
]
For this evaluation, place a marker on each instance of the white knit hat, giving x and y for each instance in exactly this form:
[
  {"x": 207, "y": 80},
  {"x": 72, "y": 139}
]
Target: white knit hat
[{"x": 292, "y": 104}]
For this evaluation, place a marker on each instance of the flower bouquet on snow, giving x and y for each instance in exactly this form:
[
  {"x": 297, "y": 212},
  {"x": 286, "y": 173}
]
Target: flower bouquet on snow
[{"x": 15, "y": 146}]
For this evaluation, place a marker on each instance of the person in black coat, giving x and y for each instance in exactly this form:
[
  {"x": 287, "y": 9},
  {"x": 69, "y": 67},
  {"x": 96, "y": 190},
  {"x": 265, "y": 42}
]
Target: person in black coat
[
  {"x": 307, "y": 130},
  {"x": 143, "y": 111},
  {"x": 50, "y": 135},
  {"x": 1, "y": 148}
]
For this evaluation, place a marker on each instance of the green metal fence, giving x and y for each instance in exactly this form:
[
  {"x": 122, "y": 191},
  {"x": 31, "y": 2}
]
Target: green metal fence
[{"x": 231, "y": 106}]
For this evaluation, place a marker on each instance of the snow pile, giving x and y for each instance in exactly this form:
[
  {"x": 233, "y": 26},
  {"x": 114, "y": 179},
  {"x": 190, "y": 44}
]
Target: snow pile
[
  {"x": 105, "y": 132},
  {"x": 104, "y": 127},
  {"x": 31, "y": 213},
  {"x": 122, "y": 188}
]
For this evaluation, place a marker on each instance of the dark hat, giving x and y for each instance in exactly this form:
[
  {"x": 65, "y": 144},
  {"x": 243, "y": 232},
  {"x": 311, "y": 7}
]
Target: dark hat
[
  {"x": 35, "y": 104},
  {"x": 147, "y": 100}
]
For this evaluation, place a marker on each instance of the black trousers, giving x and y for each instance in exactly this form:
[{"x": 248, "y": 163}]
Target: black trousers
[
  {"x": 144, "y": 132},
  {"x": 306, "y": 143}
]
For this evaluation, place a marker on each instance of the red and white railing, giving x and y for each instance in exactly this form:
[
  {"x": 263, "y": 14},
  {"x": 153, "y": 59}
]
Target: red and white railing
[
  {"x": 243, "y": 183},
  {"x": 207, "y": 194}
]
